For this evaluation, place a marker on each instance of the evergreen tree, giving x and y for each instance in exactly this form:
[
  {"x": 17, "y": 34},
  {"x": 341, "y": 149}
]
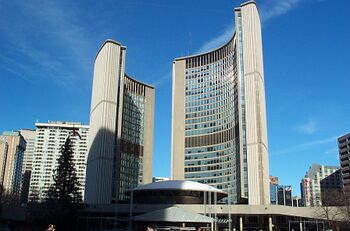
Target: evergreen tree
[{"x": 65, "y": 188}]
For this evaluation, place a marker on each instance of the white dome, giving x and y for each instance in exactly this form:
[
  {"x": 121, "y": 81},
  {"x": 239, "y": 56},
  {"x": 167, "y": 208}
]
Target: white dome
[{"x": 178, "y": 185}]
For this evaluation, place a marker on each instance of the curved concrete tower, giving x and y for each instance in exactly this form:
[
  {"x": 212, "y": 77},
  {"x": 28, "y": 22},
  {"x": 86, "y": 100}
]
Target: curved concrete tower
[
  {"x": 219, "y": 133},
  {"x": 121, "y": 129}
]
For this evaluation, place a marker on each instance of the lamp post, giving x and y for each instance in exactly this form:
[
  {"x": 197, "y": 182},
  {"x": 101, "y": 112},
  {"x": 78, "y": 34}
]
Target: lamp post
[
  {"x": 229, "y": 208},
  {"x": 131, "y": 207}
]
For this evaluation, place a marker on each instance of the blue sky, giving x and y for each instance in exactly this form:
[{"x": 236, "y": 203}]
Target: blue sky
[{"x": 48, "y": 49}]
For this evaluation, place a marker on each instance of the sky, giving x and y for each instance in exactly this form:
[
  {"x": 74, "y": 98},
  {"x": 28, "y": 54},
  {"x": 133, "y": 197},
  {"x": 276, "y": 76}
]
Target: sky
[{"x": 47, "y": 51}]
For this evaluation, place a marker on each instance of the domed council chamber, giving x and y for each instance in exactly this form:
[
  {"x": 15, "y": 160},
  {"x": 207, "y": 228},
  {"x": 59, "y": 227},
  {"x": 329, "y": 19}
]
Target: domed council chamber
[{"x": 176, "y": 192}]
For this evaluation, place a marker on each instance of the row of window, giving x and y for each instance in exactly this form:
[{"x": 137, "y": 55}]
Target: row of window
[
  {"x": 223, "y": 175},
  {"x": 209, "y": 79},
  {"x": 211, "y": 155},
  {"x": 220, "y": 110},
  {"x": 206, "y": 131},
  {"x": 207, "y": 149},
  {"x": 224, "y": 102},
  {"x": 211, "y": 60},
  {"x": 203, "y": 89},
  {"x": 213, "y": 123},
  {"x": 208, "y": 118},
  {"x": 194, "y": 101}
]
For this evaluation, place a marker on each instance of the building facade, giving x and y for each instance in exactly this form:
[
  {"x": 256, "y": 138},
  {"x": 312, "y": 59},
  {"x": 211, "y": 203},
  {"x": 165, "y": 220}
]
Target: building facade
[
  {"x": 121, "y": 129},
  {"x": 284, "y": 195},
  {"x": 310, "y": 185},
  {"x": 280, "y": 194},
  {"x": 219, "y": 134},
  {"x": 273, "y": 189},
  {"x": 49, "y": 139},
  {"x": 188, "y": 205},
  {"x": 344, "y": 156},
  {"x": 331, "y": 190},
  {"x": 297, "y": 201},
  {"x": 12, "y": 150},
  {"x": 29, "y": 137},
  {"x": 3, "y": 157}
]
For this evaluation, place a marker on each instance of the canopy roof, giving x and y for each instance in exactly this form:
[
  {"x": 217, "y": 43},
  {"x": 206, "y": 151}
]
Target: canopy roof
[{"x": 178, "y": 185}]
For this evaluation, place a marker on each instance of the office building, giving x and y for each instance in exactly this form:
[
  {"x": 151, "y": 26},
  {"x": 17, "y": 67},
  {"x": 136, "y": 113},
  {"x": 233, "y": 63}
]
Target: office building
[
  {"x": 273, "y": 189},
  {"x": 280, "y": 194},
  {"x": 12, "y": 148},
  {"x": 121, "y": 129},
  {"x": 49, "y": 139},
  {"x": 219, "y": 134},
  {"x": 344, "y": 156},
  {"x": 29, "y": 137},
  {"x": 311, "y": 183},
  {"x": 284, "y": 195},
  {"x": 297, "y": 201}
]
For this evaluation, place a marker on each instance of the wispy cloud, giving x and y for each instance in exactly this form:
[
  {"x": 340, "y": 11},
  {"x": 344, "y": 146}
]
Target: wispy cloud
[
  {"x": 218, "y": 41},
  {"x": 305, "y": 146},
  {"x": 164, "y": 78},
  {"x": 45, "y": 42},
  {"x": 274, "y": 8},
  {"x": 267, "y": 9},
  {"x": 332, "y": 151},
  {"x": 310, "y": 127}
]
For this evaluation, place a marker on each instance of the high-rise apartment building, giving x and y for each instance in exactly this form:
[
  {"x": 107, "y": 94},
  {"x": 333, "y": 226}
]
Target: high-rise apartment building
[
  {"x": 12, "y": 148},
  {"x": 48, "y": 142},
  {"x": 331, "y": 189},
  {"x": 311, "y": 183},
  {"x": 344, "y": 156},
  {"x": 121, "y": 129},
  {"x": 219, "y": 134},
  {"x": 29, "y": 137},
  {"x": 305, "y": 191},
  {"x": 3, "y": 157}
]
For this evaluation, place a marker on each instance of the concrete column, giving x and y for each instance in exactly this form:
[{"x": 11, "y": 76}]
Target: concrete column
[
  {"x": 270, "y": 223},
  {"x": 205, "y": 203},
  {"x": 240, "y": 223},
  {"x": 301, "y": 226},
  {"x": 215, "y": 212},
  {"x": 210, "y": 204}
]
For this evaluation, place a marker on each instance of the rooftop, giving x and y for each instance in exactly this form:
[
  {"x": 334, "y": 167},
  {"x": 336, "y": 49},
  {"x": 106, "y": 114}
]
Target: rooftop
[{"x": 178, "y": 185}]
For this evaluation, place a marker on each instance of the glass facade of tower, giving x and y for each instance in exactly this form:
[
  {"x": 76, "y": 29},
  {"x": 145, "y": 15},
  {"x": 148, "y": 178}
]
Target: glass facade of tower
[
  {"x": 211, "y": 118},
  {"x": 219, "y": 133},
  {"x": 132, "y": 136},
  {"x": 243, "y": 104},
  {"x": 273, "y": 193}
]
